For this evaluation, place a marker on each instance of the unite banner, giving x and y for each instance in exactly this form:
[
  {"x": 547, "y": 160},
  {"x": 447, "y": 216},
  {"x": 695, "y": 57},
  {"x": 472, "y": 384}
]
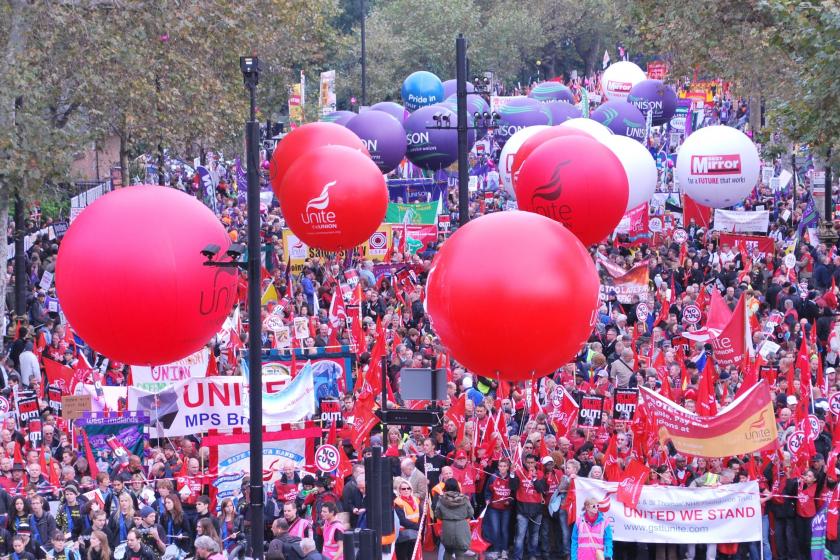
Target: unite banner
[
  {"x": 725, "y": 514},
  {"x": 157, "y": 378},
  {"x": 745, "y": 426}
]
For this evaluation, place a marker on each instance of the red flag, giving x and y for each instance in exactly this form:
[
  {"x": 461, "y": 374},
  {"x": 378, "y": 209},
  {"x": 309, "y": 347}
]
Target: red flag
[
  {"x": 701, "y": 215},
  {"x": 94, "y": 470},
  {"x": 833, "y": 511},
  {"x": 364, "y": 420},
  {"x": 477, "y": 542},
  {"x": 503, "y": 390},
  {"x": 567, "y": 415},
  {"x": 612, "y": 470},
  {"x": 18, "y": 458},
  {"x": 750, "y": 376},
  {"x": 571, "y": 504},
  {"x": 804, "y": 364},
  {"x": 730, "y": 346},
  {"x": 59, "y": 375},
  {"x": 457, "y": 410},
  {"x": 630, "y": 487},
  {"x": 706, "y": 402}
]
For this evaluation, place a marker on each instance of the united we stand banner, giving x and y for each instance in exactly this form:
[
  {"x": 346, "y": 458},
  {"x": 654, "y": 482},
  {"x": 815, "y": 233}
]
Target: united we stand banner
[
  {"x": 724, "y": 514},
  {"x": 745, "y": 426}
]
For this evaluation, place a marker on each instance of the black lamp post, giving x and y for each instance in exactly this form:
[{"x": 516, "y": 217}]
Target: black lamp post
[
  {"x": 481, "y": 122},
  {"x": 250, "y": 67}
]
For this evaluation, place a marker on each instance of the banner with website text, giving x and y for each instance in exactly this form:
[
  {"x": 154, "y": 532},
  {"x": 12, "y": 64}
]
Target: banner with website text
[
  {"x": 724, "y": 514},
  {"x": 745, "y": 426}
]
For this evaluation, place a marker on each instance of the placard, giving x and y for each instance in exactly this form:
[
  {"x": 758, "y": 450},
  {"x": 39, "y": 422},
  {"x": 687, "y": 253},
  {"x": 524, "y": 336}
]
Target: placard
[
  {"x": 625, "y": 402},
  {"x": 74, "y": 406},
  {"x": 589, "y": 414},
  {"x": 330, "y": 411}
]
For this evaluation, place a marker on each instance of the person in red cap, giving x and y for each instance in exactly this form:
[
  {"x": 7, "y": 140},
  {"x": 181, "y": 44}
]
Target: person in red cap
[{"x": 465, "y": 473}]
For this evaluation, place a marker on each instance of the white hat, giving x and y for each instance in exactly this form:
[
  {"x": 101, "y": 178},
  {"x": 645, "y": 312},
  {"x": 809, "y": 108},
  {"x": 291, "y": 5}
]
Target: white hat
[
  {"x": 791, "y": 400},
  {"x": 466, "y": 382},
  {"x": 546, "y": 460}
]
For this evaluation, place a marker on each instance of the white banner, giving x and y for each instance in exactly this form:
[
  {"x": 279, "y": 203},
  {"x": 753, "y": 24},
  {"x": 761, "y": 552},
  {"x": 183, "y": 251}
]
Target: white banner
[
  {"x": 234, "y": 462},
  {"x": 742, "y": 222},
  {"x": 295, "y": 402},
  {"x": 196, "y": 405},
  {"x": 725, "y": 514},
  {"x": 154, "y": 379}
]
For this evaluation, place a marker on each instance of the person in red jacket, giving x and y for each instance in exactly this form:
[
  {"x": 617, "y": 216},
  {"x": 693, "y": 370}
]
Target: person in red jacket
[
  {"x": 498, "y": 496},
  {"x": 466, "y": 474},
  {"x": 806, "y": 509},
  {"x": 529, "y": 489}
]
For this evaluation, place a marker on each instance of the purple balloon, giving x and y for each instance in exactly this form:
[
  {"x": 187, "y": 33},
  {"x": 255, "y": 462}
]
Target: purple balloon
[
  {"x": 552, "y": 91},
  {"x": 338, "y": 117},
  {"x": 518, "y": 114},
  {"x": 622, "y": 118},
  {"x": 562, "y": 111},
  {"x": 450, "y": 87},
  {"x": 384, "y": 137},
  {"x": 430, "y": 147},
  {"x": 394, "y": 109},
  {"x": 655, "y": 96}
]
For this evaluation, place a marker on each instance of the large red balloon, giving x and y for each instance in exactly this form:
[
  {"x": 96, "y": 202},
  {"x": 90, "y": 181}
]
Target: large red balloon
[
  {"x": 535, "y": 141},
  {"x": 578, "y": 182},
  {"x": 131, "y": 280},
  {"x": 334, "y": 197},
  {"x": 303, "y": 139},
  {"x": 512, "y": 294}
]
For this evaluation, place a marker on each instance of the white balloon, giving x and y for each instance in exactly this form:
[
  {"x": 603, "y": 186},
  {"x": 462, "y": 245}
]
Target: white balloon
[
  {"x": 509, "y": 152},
  {"x": 718, "y": 166},
  {"x": 594, "y": 128},
  {"x": 639, "y": 166},
  {"x": 620, "y": 78}
]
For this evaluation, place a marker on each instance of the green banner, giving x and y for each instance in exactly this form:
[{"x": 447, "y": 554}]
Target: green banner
[{"x": 421, "y": 214}]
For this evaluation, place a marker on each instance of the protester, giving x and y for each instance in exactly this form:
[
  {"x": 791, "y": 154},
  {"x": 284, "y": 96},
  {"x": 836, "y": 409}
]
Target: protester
[{"x": 454, "y": 510}]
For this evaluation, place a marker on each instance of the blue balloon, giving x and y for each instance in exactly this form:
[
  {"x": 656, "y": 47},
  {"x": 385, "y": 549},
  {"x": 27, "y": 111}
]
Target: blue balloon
[{"x": 421, "y": 89}]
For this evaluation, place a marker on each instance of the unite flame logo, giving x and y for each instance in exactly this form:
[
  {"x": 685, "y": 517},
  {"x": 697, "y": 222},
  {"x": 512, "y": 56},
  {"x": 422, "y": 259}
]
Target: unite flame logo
[
  {"x": 321, "y": 201},
  {"x": 554, "y": 187},
  {"x": 316, "y": 213}
]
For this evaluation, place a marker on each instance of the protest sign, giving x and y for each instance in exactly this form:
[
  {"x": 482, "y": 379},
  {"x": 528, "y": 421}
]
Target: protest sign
[
  {"x": 330, "y": 411},
  {"x": 625, "y": 401},
  {"x": 279, "y": 448},
  {"x": 745, "y": 426},
  {"x": 636, "y": 225},
  {"x": 734, "y": 221},
  {"x": 131, "y": 429},
  {"x": 419, "y": 213},
  {"x": 589, "y": 414},
  {"x": 756, "y": 246},
  {"x": 74, "y": 406},
  {"x": 730, "y": 513},
  {"x": 331, "y": 370},
  {"x": 156, "y": 378},
  {"x": 635, "y": 282},
  {"x": 27, "y": 407}
]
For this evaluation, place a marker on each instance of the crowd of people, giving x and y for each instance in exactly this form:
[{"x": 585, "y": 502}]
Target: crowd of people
[{"x": 497, "y": 477}]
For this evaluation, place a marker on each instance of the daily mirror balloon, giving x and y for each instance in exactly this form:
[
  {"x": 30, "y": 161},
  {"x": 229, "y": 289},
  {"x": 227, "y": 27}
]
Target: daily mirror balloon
[
  {"x": 518, "y": 114},
  {"x": 511, "y": 147},
  {"x": 556, "y": 292},
  {"x": 718, "y": 166},
  {"x": 131, "y": 277},
  {"x": 335, "y": 198},
  {"x": 383, "y": 136},
  {"x": 576, "y": 181},
  {"x": 656, "y": 97},
  {"x": 620, "y": 78},
  {"x": 421, "y": 89},
  {"x": 589, "y": 126},
  {"x": 639, "y": 166},
  {"x": 551, "y": 91},
  {"x": 622, "y": 118}
]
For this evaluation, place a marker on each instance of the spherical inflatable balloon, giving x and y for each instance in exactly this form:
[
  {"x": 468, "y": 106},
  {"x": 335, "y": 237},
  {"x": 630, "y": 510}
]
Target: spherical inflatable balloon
[
  {"x": 475, "y": 104},
  {"x": 394, "y": 109},
  {"x": 429, "y": 147},
  {"x": 533, "y": 141},
  {"x": 622, "y": 118},
  {"x": 654, "y": 96},
  {"x": 576, "y": 181},
  {"x": 131, "y": 277},
  {"x": 338, "y": 117},
  {"x": 561, "y": 111},
  {"x": 639, "y": 166},
  {"x": 334, "y": 198},
  {"x": 620, "y": 78},
  {"x": 556, "y": 292},
  {"x": 552, "y": 91},
  {"x": 593, "y": 128},
  {"x": 508, "y": 155},
  {"x": 305, "y": 138},
  {"x": 718, "y": 166},
  {"x": 384, "y": 137},
  {"x": 421, "y": 89},
  {"x": 450, "y": 88},
  {"x": 518, "y": 114}
]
